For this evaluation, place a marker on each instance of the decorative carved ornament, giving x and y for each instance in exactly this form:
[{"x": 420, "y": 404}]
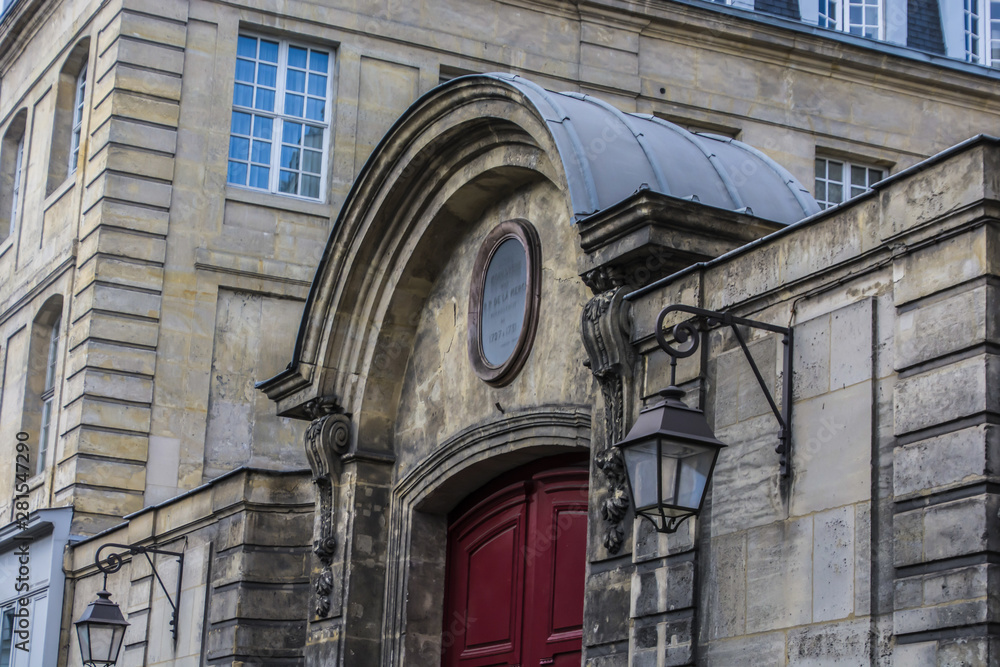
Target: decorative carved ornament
[
  {"x": 503, "y": 301},
  {"x": 327, "y": 439},
  {"x": 607, "y": 336}
]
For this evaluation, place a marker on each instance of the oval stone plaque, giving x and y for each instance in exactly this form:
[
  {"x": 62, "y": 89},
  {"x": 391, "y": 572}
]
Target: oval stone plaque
[
  {"x": 504, "y": 293},
  {"x": 503, "y": 301}
]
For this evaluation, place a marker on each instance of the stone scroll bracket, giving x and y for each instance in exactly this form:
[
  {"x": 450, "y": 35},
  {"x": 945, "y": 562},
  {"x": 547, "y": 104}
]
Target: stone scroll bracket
[
  {"x": 607, "y": 337},
  {"x": 328, "y": 438}
]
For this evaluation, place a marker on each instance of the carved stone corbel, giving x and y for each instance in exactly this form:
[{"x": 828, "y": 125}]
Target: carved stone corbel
[
  {"x": 327, "y": 439},
  {"x": 607, "y": 336}
]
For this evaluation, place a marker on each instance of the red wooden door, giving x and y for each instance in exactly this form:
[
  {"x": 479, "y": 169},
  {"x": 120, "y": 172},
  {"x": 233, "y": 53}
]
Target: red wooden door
[{"x": 515, "y": 574}]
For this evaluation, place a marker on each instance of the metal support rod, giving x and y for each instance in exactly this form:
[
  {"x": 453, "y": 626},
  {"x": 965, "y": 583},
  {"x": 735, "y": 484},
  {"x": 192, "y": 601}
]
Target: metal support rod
[
  {"x": 689, "y": 333},
  {"x": 114, "y": 563}
]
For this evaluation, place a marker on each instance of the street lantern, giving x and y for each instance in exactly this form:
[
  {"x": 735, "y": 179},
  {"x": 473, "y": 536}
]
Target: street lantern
[
  {"x": 102, "y": 626},
  {"x": 100, "y": 631},
  {"x": 669, "y": 455}
]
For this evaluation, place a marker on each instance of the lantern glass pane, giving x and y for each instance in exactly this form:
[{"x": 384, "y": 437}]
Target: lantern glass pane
[
  {"x": 693, "y": 477},
  {"x": 83, "y": 631},
  {"x": 116, "y": 642},
  {"x": 685, "y": 467},
  {"x": 102, "y": 641},
  {"x": 640, "y": 464}
]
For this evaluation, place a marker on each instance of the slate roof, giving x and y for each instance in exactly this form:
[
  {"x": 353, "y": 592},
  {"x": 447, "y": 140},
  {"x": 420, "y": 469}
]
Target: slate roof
[{"x": 608, "y": 155}]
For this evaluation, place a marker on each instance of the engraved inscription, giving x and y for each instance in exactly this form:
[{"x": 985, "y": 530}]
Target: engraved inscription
[{"x": 504, "y": 294}]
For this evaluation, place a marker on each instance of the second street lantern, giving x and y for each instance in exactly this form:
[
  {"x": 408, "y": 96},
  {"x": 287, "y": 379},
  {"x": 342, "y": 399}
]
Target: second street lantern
[{"x": 669, "y": 455}]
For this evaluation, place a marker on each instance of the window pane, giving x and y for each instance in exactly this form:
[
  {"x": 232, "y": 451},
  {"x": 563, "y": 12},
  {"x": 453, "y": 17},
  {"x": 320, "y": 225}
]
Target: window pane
[
  {"x": 296, "y": 81},
  {"x": 241, "y": 123},
  {"x": 297, "y": 57},
  {"x": 269, "y": 51},
  {"x": 259, "y": 177},
  {"x": 821, "y": 190},
  {"x": 265, "y": 99},
  {"x": 855, "y": 16},
  {"x": 820, "y": 168},
  {"x": 315, "y": 109},
  {"x": 239, "y": 148},
  {"x": 242, "y": 95},
  {"x": 317, "y": 85},
  {"x": 318, "y": 62},
  {"x": 874, "y": 176},
  {"x": 836, "y": 193},
  {"x": 836, "y": 171},
  {"x": 263, "y": 127},
  {"x": 855, "y": 191},
  {"x": 312, "y": 161},
  {"x": 293, "y": 104},
  {"x": 262, "y": 152},
  {"x": 289, "y": 157},
  {"x": 858, "y": 176},
  {"x": 310, "y": 186},
  {"x": 314, "y": 137},
  {"x": 244, "y": 70},
  {"x": 247, "y": 47},
  {"x": 267, "y": 75},
  {"x": 237, "y": 173},
  {"x": 291, "y": 133},
  {"x": 288, "y": 182}
]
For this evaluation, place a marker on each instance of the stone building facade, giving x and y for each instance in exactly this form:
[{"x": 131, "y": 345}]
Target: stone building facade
[{"x": 182, "y": 183}]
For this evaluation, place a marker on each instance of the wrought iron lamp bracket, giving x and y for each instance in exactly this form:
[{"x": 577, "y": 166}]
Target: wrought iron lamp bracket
[
  {"x": 113, "y": 562},
  {"x": 688, "y": 335}
]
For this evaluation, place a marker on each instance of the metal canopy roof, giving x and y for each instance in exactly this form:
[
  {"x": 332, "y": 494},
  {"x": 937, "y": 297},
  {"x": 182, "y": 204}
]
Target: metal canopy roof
[{"x": 608, "y": 155}]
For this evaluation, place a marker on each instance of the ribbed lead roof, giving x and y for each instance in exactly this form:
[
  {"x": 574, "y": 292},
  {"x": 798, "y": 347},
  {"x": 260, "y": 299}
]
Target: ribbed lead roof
[{"x": 608, "y": 155}]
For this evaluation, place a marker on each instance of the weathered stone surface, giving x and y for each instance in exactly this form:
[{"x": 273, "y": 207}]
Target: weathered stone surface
[
  {"x": 779, "y": 575},
  {"x": 950, "y": 460},
  {"x": 831, "y": 450},
  {"x": 845, "y": 643},
  {"x": 834, "y": 562}
]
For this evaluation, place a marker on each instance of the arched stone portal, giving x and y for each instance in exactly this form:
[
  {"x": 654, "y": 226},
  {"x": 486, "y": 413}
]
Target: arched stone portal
[{"x": 404, "y": 423}]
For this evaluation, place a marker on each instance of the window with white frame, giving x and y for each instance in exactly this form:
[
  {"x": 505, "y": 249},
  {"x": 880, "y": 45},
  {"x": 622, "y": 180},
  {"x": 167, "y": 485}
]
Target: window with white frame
[
  {"x": 840, "y": 180},
  {"x": 48, "y": 395},
  {"x": 981, "y": 31},
  {"x": 7, "y": 637},
  {"x": 15, "y": 189},
  {"x": 857, "y": 17},
  {"x": 281, "y": 117},
  {"x": 80, "y": 90},
  {"x": 12, "y": 157}
]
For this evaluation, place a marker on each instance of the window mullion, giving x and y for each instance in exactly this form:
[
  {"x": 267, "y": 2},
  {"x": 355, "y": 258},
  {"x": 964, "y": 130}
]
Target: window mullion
[{"x": 279, "y": 114}]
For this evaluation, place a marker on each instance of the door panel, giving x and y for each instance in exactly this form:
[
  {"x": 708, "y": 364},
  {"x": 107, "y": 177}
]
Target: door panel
[
  {"x": 515, "y": 572},
  {"x": 484, "y": 589}
]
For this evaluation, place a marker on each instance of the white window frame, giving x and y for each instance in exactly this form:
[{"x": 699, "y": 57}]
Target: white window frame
[
  {"x": 980, "y": 30},
  {"x": 838, "y": 18},
  {"x": 80, "y": 88},
  {"x": 848, "y": 188},
  {"x": 48, "y": 396},
  {"x": 15, "y": 193},
  {"x": 279, "y": 118},
  {"x": 7, "y": 658}
]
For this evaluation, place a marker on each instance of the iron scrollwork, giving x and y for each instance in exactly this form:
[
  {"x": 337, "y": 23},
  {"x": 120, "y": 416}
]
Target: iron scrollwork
[
  {"x": 327, "y": 439},
  {"x": 607, "y": 336},
  {"x": 688, "y": 334},
  {"x": 113, "y": 562}
]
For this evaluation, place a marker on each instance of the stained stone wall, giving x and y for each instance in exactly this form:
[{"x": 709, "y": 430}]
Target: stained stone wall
[
  {"x": 877, "y": 548},
  {"x": 162, "y": 267}
]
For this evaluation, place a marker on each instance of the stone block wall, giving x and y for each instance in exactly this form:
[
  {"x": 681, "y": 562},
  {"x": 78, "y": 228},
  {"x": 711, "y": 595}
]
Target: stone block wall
[
  {"x": 879, "y": 547},
  {"x": 246, "y": 540}
]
